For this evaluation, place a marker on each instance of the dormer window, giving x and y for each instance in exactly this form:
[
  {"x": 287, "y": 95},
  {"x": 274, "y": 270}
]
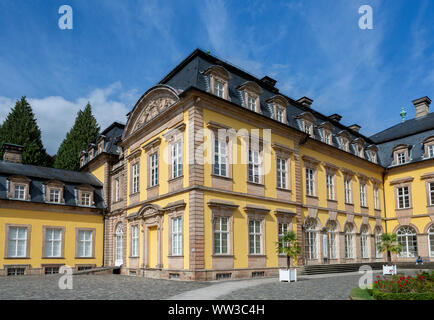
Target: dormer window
[
  {"x": 401, "y": 158},
  {"x": 428, "y": 144},
  {"x": 85, "y": 198},
  {"x": 85, "y": 195},
  {"x": 55, "y": 195},
  {"x": 219, "y": 89},
  {"x": 345, "y": 144},
  {"x": 400, "y": 154},
  {"x": 20, "y": 192},
  {"x": 306, "y": 120},
  {"x": 326, "y": 132},
  {"x": 251, "y": 102},
  {"x": 359, "y": 147},
  {"x": 279, "y": 115},
  {"x": 250, "y": 92},
  {"x": 218, "y": 81},
  {"x": 308, "y": 128},
  {"x": 430, "y": 151},
  {"x": 278, "y": 104},
  {"x": 18, "y": 187}
]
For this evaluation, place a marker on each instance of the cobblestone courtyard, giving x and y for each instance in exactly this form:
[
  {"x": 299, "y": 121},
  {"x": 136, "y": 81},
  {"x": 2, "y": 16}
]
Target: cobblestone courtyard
[{"x": 107, "y": 287}]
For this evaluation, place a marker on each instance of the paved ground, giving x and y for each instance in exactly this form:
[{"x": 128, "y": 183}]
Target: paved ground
[{"x": 107, "y": 287}]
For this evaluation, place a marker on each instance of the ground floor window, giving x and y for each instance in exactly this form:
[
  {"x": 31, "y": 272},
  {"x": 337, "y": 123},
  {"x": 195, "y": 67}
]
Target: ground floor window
[
  {"x": 431, "y": 241},
  {"x": 364, "y": 242},
  {"x": 221, "y": 235},
  {"x": 407, "y": 237},
  {"x": 255, "y": 237},
  {"x": 311, "y": 239},
  {"x": 51, "y": 270},
  {"x": 378, "y": 253},
  {"x": 332, "y": 239},
  {"x": 177, "y": 236},
  {"x": 16, "y": 271},
  {"x": 349, "y": 241}
]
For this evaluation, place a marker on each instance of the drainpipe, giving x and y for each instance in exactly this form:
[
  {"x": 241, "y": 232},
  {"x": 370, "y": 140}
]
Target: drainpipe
[{"x": 384, "y": 202}]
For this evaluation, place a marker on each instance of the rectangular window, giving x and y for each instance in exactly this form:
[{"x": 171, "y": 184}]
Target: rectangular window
[
  {"x": 279, "y": 115},
  {"x": 135, "y": 174},
  {"x": 16, "y": 271},
  {"x": 221, "y": 235},
  {"x": 348, "y": 193},
  {"x": 17, "y": 242},
  {"x": 403, "y": 198},
  {"x": 85, "y": 198},
  {"x": 220, "y": 158},
  {"x": 363, "y": 201},
  {"x": 219, "y": 89},
  {"x": 431, "y": 193},
  {"x": 116, "y": 190},
  {"x": 378, "y": 253},
  {"x": 282, "y": 174},
  {"x": 255, "y": 237},
  {"x": 177, "y": 159},
  {"x": 85, "y": 243},
  {"x": 19, "y": 192},
  {"x": 177, "y": 236},
  {"x": 431, "y": 151},
  {"x": 401, "y": 158},
  {"x": 254, "y": 166},
  {"x": 51, "y": 270},
  {"x": 53, "y": 243},
  {"x": 307, "y": 129},
  {"x": 283, "y": 228},
  {"x": 135, "y": 241},
  {"x": 326, "y": 138},
  {"x": 154, "y": 169},
  {"x": 330, "y": 187},
  {"x": 251, "y": 103},
  {"x": 376, "y": 199},
  {"x": 310, "y": 182},
  {"x": 55, "y": 195}
]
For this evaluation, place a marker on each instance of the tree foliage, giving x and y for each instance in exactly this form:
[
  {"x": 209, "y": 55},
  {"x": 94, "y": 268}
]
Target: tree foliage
[{"x": 288, "y": 245}]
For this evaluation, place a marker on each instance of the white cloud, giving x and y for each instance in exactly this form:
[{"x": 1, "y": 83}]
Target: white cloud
[{"x": 56, "y": 115}]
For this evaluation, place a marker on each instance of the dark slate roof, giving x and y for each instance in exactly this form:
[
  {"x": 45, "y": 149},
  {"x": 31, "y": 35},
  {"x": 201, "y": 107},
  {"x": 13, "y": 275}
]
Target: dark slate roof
[
  {"x": 113, "y": 133},
  {"x": 406, "y": 128}
]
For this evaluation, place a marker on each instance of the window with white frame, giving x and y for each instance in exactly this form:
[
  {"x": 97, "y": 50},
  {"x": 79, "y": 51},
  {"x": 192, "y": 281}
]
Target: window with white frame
[
  {"x": 153, "y": 169},
  {"x": 431, "y": 193},
  {"x": 431, "y": 241},
  {"x": 332, "y": 239},
  {"x": 282, "y": 173},
  {"x": 308, "y": 128},
  {"x": 378, "y": 233},
  {"x": 220, "y": 158},
  {"x": 376, "y": 198},
  {"x": 54, "y": 195},
  {"x": 135, "y": 174},
  {"x": 403, "y": 194},
  {"x": 53, "y": 242},
  {"x": 349, "y": 241},
  {"x": 86, "y": 198},
  {"x": 348, "y": 192},
  {"x": 119, "y": 238},
  {"x": 254, "y": 166},
  {"x": 177, "y": 159},
  {"x": 310, "y": 182},
  {"x": 311, "y": 239},
  {"x": 177, "y": 236},
  {"x": 401, "y": 157},
  {"x": 407, "y": 237},
  {"x": 117, "y": 190},
  {"x": 20, "y": 192},
  {"x": 221, "y": 235},
  {"x": 85, "y": 243},
  {"x": 364, "y": 242},
  {"x": 255, "y": 237},
  {"x": 345, "y": 145},
  {"x": 330, "y": 183},
  {"x": 219, "y": 89},
  {"x": 326, "y": 137},
  {"x": 363, "y": 201},
  {"x": 430, "y": 151},
  {"x": 279, "y": 115},
  {"x": 17, "y": 242},
  {"x": 251, "y": 102},
  {"x": 283, "y": 228},
  {"x": 135, "y": 241}
]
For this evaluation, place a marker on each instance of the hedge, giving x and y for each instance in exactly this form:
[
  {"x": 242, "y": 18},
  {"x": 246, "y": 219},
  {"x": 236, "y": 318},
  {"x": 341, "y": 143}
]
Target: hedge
[{"x": 379, "y": 295}]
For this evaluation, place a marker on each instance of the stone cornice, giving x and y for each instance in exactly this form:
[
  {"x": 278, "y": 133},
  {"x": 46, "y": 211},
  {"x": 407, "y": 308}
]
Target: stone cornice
[
  {"x": 222, "y": 204},
  {"x": 401, "y": 180},
  {"x": 153, "y": 143}
]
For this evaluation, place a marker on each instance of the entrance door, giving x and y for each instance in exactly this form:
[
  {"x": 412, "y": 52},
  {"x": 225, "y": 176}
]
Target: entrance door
[
  {"x": 119, "y": 249},
  {"x": 152, "y": 247}
]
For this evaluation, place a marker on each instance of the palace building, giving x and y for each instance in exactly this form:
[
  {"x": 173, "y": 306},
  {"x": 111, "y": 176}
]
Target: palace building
[{"x": 214, "y": 164}]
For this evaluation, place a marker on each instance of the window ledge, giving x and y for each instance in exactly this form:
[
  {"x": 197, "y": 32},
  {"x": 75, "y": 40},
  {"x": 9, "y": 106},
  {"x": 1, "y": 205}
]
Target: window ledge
[
  {"x": 17, "y": 258},
  {"x": 220, "y": 177},
  {"x": 135, "y": 193},
  {"x": 152, "y": 187},
  {"x": 349, "y": 204},
  {"x": 175, "y": 256},
  {"x": 133, "y": 257},
  {"x": 283, "y": 189},
  {"x": 84, "y": 257},
  {"x": 332, "y": 200},
  {"x": 259, "y": 255},
  {"x": 223, "y": 255},
  {"x": 174, "y": 179},
  {"x": 256, "y": 183},
  {"x": 53, "y": 258},
  {"x": 402, "y": 209},
  {"x": 311, "y": 196},
  {"x": 364, "y": 207}
]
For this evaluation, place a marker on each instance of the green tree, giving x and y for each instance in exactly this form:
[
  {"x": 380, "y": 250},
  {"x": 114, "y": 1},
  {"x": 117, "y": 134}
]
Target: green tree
[
  {"x": 84, "y": 131},
  {"x": 288, "y": 244},
  {"x": 389, "y": 243},
  {"x": 20, "y": 128}
]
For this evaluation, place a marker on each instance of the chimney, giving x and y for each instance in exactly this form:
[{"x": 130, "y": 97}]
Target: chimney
[
  {"x": 12, "y": 152},
  {"x": 422, "y": 107},
  {"x": 269, "y": 81},
  {"x": 355, "y": 127},
  {"x": 305, "y": 101},
  {"x": 335, "y": 117}
]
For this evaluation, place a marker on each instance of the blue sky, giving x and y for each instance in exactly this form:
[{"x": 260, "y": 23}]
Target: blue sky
[{"x": 118, "y": 49}]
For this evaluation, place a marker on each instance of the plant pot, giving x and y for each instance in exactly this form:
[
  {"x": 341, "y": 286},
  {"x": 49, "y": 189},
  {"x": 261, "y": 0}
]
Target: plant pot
[
  {"x": 389, "y": 270},
  {"x": 289, "y": 275}
]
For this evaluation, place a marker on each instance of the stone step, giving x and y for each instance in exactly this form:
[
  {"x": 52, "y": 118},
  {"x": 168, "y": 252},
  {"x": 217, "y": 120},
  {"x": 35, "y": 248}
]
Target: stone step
[{"x": 99, "y": 270}]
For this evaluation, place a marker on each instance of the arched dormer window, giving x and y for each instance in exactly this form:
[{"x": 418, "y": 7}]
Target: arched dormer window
[
  {"x": 306, "y": 121},
  {"x": 218, "y": 81},
  {"x": 428, "y": 145},
  {"x": 344, "y": 140},
  {"x": 359, "y": 147},
  {"x": 278, "y": 105},
  {"x": 326, "y": 132},
  {"x": 251, "y": 92},
  {"x": 401, "y": 154},
  {"x": 372, "y": 153}
]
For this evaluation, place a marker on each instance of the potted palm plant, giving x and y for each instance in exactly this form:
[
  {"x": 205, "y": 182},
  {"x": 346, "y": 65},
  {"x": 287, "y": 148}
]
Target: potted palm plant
[
  {"x": 389, "y": 243},
  {"x": 288, "y": 245}
]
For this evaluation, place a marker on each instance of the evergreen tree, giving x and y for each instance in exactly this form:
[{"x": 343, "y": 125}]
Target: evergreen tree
[
  {"x": 20, "y": 128},
  {"x": 84, "y": 131}
]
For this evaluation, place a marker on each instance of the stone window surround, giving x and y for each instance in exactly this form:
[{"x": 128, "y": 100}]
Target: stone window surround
[
  {"x": 256, "y": 213},
  {"x": 331, "y": 169},
  {"x": 117, "y": 176},
  {"x": 285, "y": 153},
  {"x": 173, "y": 214},
  {"x": 252, "y": 89},
  {"x": 19, "y": 180},
  {"x": 85, "y": 188},
  {"x": 311, "y": 163},
  {"x": 130, "y": 226},
  {"x": 376, "y": 184},
  {"x": 54, "y": 184},
  {"x": 134, "y": 158},
  {"x": 254, "y": 143},
  {"x": 283, "y": 216},
  {"x": 428, "y": 178},
  {"x": 173, "y": 136},
  {"x": 359, "y": 145},
  {"x": 44, "y": 241},
  {"x": 152, "y": 148},
  {"x": 223, "y": 209},
  {"x": 344, "y": 141},
  {"x": 426, "y": 143},
  {"x": 326, "y": 128},
  {"x": 399, "y": 183},
  {"x": 348, "y": 175},
  {"x": 399, "y": 149},
  {"x": 363, "y": 180},
  {"x": 278, "y": 102},
  {"x": 214, "y": 128},
  {"x": 77, "y": 229},
  {"x": 220, "y": 74},
  {"x": 28, "y": 243},
  {"x": 372, "y": 152}
]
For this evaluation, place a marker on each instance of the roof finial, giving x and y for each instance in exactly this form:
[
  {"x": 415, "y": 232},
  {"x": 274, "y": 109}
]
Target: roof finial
[
  {"x": 403, "y": 113},
  {"x": 208, "y": 52}
]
